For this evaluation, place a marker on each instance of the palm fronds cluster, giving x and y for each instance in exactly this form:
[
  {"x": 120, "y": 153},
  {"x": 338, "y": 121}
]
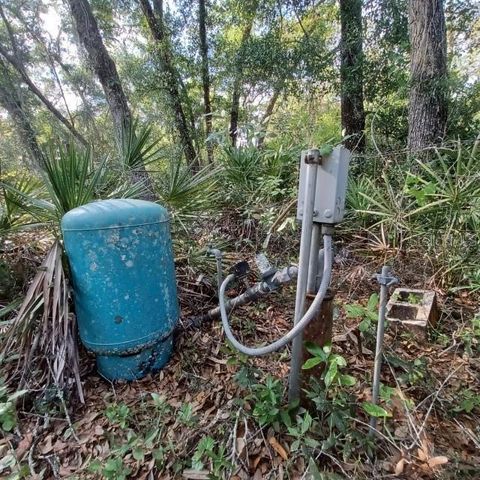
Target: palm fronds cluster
[
  {"x": 430, "y": 204},
  {"x": 44, "y": 331}
]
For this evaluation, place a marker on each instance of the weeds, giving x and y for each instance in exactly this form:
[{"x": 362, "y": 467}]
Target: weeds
[
  {"x": 466, "y": 401},
  {"x": 8, "y": 414},
  {"x": 368, "y": 315},
  {"x": 268, "y": 399},
  {"x": 470, "y": 336},
  {"x": 118, "y": 414},
  {"x": 186, "y": 416},
  {"x": 431, "y": 206},
  {"x": 207, "y": 451}
]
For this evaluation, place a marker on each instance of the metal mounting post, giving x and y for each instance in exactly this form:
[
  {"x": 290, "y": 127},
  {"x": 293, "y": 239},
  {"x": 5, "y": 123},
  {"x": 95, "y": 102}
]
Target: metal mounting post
[
  {"x": 385, "y": 279},
  {"x": 312, "y": 159}
]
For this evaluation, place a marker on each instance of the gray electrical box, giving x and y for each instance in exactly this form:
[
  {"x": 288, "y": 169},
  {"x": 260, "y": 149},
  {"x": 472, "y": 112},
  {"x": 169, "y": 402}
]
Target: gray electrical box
[{"x": 331, "y": 185}]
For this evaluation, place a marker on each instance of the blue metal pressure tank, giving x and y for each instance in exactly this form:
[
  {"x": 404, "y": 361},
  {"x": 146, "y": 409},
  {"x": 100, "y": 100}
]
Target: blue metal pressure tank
[{"x": 123, "y": 274}]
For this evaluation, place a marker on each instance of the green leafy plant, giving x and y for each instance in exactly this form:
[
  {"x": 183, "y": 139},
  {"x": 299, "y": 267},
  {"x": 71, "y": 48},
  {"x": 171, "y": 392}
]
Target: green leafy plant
[
  {"x": 470, "y": 335},
  {"x": 334, "y": 403},
  {"x": 242, "y": 168},
  {"x": 333, "y": 362},
  {"x": 161, "y": 405},
  {"x": 13, "y": 191},
  {"x": 301, "y": 433},
  {"x": 388, "y": 207},
  {"x": 368, "y": 313},
  {"x": 268, "y": 400},
  {"x": 187, "y": 195},
  {"x": 414, "y": 372},
  {"x": 467, "y": 401},
  {"x": 374, "y": 410},
  {"x": 386, "y": 393},
  {"x": 206, "y": 452},
  {"x": 446, "y": 191},
  {"x": 138, "y": 148},
  {"x": 8, "y": 414},
  {"x": 112, "y": 469},
  {"x": 186, "y": 415},
  {"x": 118, "y": 413}
]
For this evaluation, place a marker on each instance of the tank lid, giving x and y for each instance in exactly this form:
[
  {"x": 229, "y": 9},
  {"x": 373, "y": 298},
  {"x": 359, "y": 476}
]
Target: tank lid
[{"x": 114, "y": 214}]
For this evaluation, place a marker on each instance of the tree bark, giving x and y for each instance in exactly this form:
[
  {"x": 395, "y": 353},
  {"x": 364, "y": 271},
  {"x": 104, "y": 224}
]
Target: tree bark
[
  {"x": 238, "y": 78},
  {"x": 172, "y": 84},
  {"x": 427, "y": 113},
  {"x": 106, "y": 71},
  {"x": 103, "y": 66},
  {"x": 15, "y": 63},
  {"x": 268, "y": 115},
  {"x": 12, "y": 102},
  {"x": 351, "y": 74},
  {"x": 202, "y": 15}
]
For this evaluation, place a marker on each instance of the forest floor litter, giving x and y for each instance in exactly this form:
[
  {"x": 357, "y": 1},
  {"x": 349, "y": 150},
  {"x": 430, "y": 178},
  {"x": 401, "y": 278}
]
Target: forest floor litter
[{"x": 152, "y": 428}]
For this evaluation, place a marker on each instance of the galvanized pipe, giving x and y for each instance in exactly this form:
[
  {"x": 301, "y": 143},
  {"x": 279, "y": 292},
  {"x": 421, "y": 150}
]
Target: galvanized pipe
[
  {"x": 218, "y": 260},
  {"x": 384, "y": 280},
  {"x": 297, "y": 345},
  {"x": 313, "y": 271},
  {"x": 255, "y": 292}
]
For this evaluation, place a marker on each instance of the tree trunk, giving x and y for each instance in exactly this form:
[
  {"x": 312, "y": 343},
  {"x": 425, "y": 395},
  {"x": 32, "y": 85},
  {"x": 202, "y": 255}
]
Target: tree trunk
[
  {"x": 170, "y": 78},
  {"x": 268, "y": 115},
  {"x": 106, "y": 71},
  {"x": 15, "y": 63},
  {"x": 351, "y": 74},
  {"x": 53, "y": 54},
  {"x": 12, "y": 102},
  {"x": 78, "y": 89},
  {"x": 427, "y": 113},
  {"x": 202, "y": 14},
  {"x": 238, "y": 79},
  {"x": 103, "y": 66}
]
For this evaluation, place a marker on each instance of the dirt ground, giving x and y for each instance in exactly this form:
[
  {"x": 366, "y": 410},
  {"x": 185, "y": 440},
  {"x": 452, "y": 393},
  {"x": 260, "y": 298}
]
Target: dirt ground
[{"x": 152, "y": 428}]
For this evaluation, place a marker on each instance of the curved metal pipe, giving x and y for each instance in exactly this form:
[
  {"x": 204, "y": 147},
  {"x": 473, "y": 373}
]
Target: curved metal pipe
[{"x": 299, "y": 326}]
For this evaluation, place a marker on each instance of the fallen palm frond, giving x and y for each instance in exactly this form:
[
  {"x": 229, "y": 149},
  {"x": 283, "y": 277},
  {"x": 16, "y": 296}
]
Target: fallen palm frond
[{"x": 43, "y": 334}]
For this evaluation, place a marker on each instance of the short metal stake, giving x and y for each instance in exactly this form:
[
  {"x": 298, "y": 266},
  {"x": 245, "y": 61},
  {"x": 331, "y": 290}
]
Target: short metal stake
[{"x": 385, "y": 279}]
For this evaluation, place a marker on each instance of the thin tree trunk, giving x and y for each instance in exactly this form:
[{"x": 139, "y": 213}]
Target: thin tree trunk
[
  {"x": 268, "y": 115},
  {"x": 34, "y": 89},
  {"x": 427, "y": 113},
  {"x": 106, "y": 71},
  {"x": 202, "y": 14},
  {"x": 351, "y": 74},
  {"x": 12, "y": 102},
  {"x": 172, "y": 85},
  {"x": 103, "y": 66},
  {"x": 66, "y": 70},
  {"x": 238, "y": 79},
  {"x": 54, "y": 56}
]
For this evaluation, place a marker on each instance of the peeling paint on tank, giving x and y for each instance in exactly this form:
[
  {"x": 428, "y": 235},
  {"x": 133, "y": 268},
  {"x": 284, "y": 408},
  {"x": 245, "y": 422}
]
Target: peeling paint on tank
[{"x": 134, "y": 279}]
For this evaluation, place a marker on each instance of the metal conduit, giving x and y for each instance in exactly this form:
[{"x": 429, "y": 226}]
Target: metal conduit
[{"x": 299, "y": 325}]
